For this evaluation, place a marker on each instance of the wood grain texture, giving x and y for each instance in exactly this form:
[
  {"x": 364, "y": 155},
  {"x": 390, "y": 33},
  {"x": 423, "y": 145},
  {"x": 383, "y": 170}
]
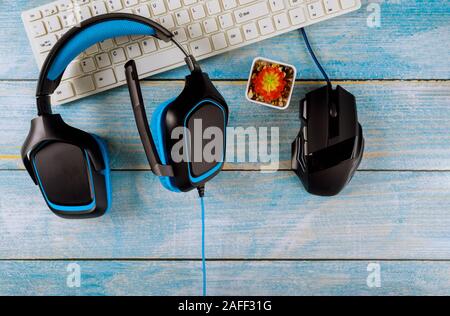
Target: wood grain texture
[
  {"x": 224, "y": 278},
  {"x": 405, "y": 124},
  {"x": 412, "y": 42},
  {"x": 260, "y": 217},
  {"x": 382, "y": 215}
]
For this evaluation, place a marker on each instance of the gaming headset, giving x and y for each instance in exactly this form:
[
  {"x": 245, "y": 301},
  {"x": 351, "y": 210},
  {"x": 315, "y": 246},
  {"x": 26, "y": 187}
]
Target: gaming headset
[{"x": 71, "y": 166}]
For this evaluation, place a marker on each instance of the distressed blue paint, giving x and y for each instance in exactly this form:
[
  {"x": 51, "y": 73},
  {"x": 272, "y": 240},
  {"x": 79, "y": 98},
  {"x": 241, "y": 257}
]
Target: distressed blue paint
[
  {"x": 390, "y": 215},
  {"x": 412, "y": 43},
  {"x": 230, "y": 278}
]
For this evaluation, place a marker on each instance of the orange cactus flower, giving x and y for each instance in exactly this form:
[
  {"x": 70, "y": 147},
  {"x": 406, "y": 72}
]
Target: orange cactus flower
[{"x": 270, "y": 83}]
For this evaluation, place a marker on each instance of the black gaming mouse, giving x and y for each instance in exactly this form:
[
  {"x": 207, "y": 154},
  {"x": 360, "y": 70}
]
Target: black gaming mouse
[{"x": 330, "y": 144}]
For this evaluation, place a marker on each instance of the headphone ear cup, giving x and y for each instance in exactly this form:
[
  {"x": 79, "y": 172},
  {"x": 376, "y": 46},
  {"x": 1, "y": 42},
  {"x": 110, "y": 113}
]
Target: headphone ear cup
[{"x": 68, "y": 180}]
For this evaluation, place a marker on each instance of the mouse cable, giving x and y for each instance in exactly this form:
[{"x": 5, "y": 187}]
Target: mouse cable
[
  {"x": 201, "y": 194},
  {"x": 313, "y": 56}
]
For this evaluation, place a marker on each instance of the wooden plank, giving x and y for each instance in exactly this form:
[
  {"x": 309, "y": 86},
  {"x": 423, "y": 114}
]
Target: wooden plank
[
  {"x": 383, "y": 215},
  {"x": 406, "y": 124},
  {"x": 224, "y": 278},
  {"x": 400, "y": 48}
]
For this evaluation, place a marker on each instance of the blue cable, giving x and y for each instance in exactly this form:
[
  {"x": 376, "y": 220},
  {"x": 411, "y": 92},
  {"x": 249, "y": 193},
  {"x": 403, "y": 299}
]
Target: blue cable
[
  {"x": 202, "y": 201},
  {"x": 313, "y": 56}
]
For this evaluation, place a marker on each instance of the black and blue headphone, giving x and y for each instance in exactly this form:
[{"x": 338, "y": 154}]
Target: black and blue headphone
[{"x": 71, "y": 166}]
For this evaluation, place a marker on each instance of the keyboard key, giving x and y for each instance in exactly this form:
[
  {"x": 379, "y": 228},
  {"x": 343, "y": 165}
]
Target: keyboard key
[
  {"x": 297, "y": 16},
  {"x": 81, "y": 2},
  {"x": 201, "y": 47},
  {"x": 73, "y": 70},
  {"x": 266, "y": 26},
  {"x": 130, "y": 3},
  {"x": 84, "y": 85},
  {"x": 106, "y": 44},
  {"x": 234, "y": 36},
  {"x": 103, "y": 60},
  {"x": 242, "y": 2},
  {"x": 195, "y": 30},
  {"x": 219, "y": 41},
  {"x": 88, "y": 65},
  {"x": 347, "y": 4},
  {"x": 143, "y": 11},
  {"x": 198, "y": 12},
  {"x": 182, "y": 17},
  {"x": 148, "y": 45},
  {"x": 118, "y": 55},
  {"x": 226, "y": 21},
  {"x": 105, "y": 78},
  {"x": 83, "y": 13},
  {"x": 316, "y": 10},
  {"x": 210, "y": 25},
  {"x": 167, "y": 21},
  {"x": 64, "y": 5},
  {"x": 189, "y": 2},
  {"x": 38, "y": 29},
  {"x": 252, "y": 12},
  {"x": 33, "y": 16},
  {"x": 281, "y": 21},
  {"x": 60, "y": 33},
  {"x": 294, "y": 3},
  {"x": 92, "y": 50},
  {"x": 136, "y": 37},
  {"x": 68, "y": 19},
  {"x": 180, "y": 35},
  {"x": 163, "y": 44},
  {"x": 157, "y": 7},
  {"x": 45, "y": 43},
  {"x": 133, "y": 51},
  {"x": 159, "y": 60},
  {"x": 49, "y": 10},
  {"x": 120, "y": 73},
  {"x": 276, "y": 5},
  {"x": 98, "y": 8},
  {"x": 250, "y": 31},
  {"x": 114, "y": 5},
  {"x": 122, "y": 40},
  {"x": 229, "y": 4},
  {"x": 64, "y": 91},
  {"x": 174, "y": 4},
  {"x": 331, "y": 6},
  {"x": 213, "y": 7}
]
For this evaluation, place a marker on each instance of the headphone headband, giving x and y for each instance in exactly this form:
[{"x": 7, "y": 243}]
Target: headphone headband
[{"x": 88, "y": 33}]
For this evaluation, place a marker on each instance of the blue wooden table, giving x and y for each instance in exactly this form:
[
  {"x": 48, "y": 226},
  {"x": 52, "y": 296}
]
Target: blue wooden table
[{"x": 265, "y": 234}]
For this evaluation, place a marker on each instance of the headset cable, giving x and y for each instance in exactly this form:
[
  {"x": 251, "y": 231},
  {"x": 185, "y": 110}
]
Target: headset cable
[
  {"x": 313, "y": 56},
  {"x": 201, "y": 194}
]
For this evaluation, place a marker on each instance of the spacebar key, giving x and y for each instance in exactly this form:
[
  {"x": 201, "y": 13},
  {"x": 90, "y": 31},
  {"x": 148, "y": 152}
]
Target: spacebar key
[
  {"x": 159, "y": 60},
  {"x": 252, "y": 12}
]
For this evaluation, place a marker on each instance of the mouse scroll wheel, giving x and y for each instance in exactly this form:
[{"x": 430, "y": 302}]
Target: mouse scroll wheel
[{"x": 333, "y": 110}]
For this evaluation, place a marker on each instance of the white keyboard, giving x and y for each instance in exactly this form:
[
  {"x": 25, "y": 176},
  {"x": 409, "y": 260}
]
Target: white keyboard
[{"x": 204, "y": 27}]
